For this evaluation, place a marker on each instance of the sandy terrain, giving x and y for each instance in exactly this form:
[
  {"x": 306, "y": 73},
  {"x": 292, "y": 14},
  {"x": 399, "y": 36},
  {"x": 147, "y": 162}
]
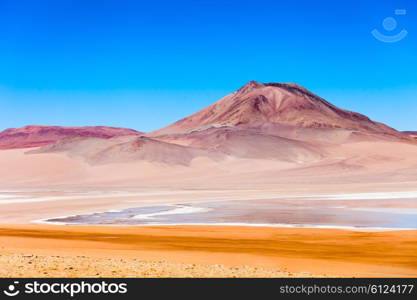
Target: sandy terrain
[
  {"x": 361, "y": 163},
  {"x": 275, "y": 146},
  {"x": 44, "y": 250},
  {"x": 53, "y": 185},
  {"x": 18, "y": 265}
]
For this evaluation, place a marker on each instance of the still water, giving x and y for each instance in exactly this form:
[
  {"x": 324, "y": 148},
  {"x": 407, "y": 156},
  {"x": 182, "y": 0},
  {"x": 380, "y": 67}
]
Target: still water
[{"x": 366, "y": 213}]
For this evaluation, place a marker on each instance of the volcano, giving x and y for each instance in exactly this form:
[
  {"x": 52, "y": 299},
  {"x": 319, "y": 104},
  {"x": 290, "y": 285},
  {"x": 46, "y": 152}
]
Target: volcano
[{"x": 276, "y": 107}]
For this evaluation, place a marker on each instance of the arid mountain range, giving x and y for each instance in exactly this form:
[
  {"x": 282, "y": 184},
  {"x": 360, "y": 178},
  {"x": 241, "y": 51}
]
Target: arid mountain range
[
  {"x": 267, "y": 126},
  {"x": 35, "y": 136}
]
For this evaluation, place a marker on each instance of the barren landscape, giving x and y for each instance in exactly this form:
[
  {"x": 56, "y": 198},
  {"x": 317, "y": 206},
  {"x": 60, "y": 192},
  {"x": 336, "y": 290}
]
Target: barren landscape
[{"x": 270, "y": 181}]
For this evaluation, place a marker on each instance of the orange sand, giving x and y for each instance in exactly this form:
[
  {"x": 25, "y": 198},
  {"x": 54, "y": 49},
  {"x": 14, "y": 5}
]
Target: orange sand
[{"x": 301, "y": 251}]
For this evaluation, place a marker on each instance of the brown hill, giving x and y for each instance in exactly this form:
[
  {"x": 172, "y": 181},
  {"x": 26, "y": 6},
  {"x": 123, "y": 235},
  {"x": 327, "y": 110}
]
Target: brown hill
[
  {"x": 243, "y": 143},
  {"x": 127, "y": 149},
  {"x": 35, "y": 136},
  {"x": 412, "y": 134},
  {"x": 285, "y": 104}
]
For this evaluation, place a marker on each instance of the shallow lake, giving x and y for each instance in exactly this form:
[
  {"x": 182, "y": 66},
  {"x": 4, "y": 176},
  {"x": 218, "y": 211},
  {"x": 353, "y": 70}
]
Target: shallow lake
[{"x": 366, "y": 213}]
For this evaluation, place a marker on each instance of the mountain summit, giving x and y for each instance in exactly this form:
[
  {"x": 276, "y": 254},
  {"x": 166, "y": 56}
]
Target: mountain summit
[{"x": 287, "y": 104}]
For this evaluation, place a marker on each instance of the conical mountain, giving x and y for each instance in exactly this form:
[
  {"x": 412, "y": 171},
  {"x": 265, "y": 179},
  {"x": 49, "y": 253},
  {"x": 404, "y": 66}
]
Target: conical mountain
[{"x": 286, "y": 104}]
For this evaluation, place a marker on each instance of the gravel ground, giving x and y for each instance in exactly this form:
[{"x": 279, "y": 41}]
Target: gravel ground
[{"x": 16, "y": 265}]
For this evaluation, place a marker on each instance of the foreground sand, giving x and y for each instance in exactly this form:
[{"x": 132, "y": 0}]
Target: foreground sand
[
  {"x": 18, "y": 265},
  {"x": 197, "y": 251}
]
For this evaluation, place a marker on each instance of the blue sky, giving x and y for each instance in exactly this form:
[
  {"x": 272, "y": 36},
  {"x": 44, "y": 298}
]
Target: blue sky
[{"x": 145, "y": 64}]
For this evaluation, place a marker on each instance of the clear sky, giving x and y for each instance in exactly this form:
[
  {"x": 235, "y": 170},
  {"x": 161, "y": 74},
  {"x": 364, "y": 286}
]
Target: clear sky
[{"x": 145, "y": 64}]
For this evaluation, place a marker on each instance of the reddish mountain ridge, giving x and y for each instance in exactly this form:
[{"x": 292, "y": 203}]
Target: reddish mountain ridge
[
  {"x": 283, "y": 104},
  {"x": 271, "y": 121},
  {"x": 35, "y": 136},
  {"x": 412, "y": 134}
]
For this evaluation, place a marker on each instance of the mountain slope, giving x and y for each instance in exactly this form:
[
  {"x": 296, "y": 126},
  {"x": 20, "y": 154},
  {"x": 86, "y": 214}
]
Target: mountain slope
[
  {"x": 126, "y": 149},
  {"x": 248, "y": 144},
  {"x": 276, "y": 103},
  {"x": 412, "y": 134},
  {"x": 35, "y": 136}
]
